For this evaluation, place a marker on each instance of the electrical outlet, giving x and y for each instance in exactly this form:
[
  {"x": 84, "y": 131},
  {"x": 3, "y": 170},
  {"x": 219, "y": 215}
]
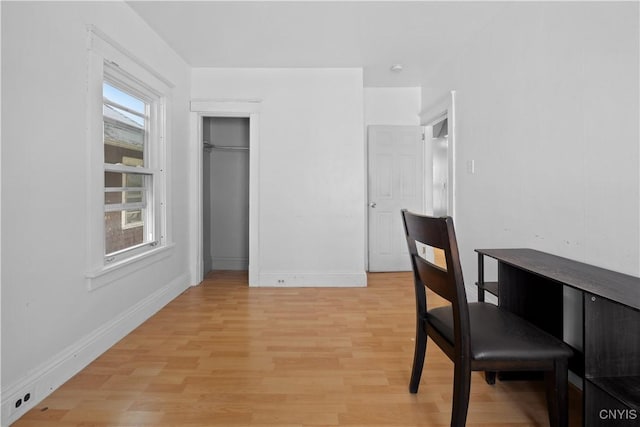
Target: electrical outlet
[
  {"x": 280, "y": 281},
  {"x": 22, "y": 402}
]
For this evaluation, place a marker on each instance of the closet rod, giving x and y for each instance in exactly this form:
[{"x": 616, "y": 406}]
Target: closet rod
[{"x": 224, "y": 147}]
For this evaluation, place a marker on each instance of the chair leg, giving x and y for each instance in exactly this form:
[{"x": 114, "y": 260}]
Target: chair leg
[
  {"x": 558, "y": 394},
  {"x": 418, "y": 357},
  {"x": 461, "y": 391},
  {"x": 490, "y": 377}
]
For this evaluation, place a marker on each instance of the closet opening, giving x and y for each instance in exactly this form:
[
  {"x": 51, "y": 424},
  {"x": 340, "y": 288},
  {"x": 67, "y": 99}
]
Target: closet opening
[{"x": 225, "y": 194}]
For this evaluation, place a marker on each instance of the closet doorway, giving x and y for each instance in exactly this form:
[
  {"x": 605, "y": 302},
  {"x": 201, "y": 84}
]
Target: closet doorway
[{"x": 225, "y": 193}]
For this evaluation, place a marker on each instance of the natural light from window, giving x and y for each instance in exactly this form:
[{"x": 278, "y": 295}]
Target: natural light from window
[{"x": 127, "y": 192}]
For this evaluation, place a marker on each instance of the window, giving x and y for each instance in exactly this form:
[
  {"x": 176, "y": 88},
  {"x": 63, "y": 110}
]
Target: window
[
  {"x": 126, "y": 183},
  {"x": 128, "y": 180}
]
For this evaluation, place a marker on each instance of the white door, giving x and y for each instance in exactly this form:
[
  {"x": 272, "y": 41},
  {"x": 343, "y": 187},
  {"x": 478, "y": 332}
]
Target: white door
[{"x": 395, "y": 182}]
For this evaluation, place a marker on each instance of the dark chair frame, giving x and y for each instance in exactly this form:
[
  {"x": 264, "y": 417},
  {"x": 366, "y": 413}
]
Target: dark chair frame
[{"x": 449, "y": 284}]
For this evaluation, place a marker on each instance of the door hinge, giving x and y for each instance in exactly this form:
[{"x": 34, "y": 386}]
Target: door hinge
[{"x": 423, "y": 137}]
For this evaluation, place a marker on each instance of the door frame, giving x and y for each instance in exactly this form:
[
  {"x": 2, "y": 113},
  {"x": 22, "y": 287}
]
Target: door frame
[
  {"x": 201, "y": 108},
  {"x": 445, "y": 107}
]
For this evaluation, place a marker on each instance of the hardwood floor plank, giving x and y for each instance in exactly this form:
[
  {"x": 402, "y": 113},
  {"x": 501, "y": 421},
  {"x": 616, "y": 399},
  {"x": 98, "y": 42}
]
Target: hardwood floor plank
[{"x": 224, "y": 354}]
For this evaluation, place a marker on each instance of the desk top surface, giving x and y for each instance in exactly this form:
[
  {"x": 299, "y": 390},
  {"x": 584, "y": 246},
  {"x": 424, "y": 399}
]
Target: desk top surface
[{"x": 618, "y": 287}]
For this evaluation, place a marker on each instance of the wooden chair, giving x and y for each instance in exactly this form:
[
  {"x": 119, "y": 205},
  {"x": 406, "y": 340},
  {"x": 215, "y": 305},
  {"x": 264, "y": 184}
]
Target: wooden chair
[{"x": 476, "y": 336}]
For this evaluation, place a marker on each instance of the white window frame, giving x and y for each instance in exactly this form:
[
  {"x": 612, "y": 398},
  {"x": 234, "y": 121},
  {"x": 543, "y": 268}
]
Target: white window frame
[
  {"x": 109, "y": 62},
  {"x": 150, "y": 169}
]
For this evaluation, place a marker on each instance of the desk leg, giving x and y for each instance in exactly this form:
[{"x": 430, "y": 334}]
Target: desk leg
[
  {"x": 489, "y": 376},
  {"x": 480, "y": 286}
]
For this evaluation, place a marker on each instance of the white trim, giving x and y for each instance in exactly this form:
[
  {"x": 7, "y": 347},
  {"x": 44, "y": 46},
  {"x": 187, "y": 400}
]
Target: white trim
[
  {"x": 115, "y": 207},
  {"x": 94, "y": 213},
  {"x": 118, "y": 55},
  {"x": 107, "y": 60},
  {"x": 313, "y": 279},
  {"x": 58, "y": 369},
  {"x": 225, "y": 108},
  {"x": 445, "y": 107},
  {"x": 118, "y": 168},
  {"x": 437, "y": 110},
  {"x": 111, "y": 272},
  {"x": 121, "y": 189}
]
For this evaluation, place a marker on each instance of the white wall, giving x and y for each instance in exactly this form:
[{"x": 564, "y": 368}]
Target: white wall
[
  {"x": 51, "y": 324},
  {"x": 311, "y": 169},
  {"x": 392, "y": 106},
  {"x": 547, "y": 106}
]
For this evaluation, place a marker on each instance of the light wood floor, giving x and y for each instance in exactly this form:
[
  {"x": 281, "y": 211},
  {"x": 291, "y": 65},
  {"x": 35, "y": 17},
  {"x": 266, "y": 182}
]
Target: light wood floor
[{"x": 223, "y": 354}]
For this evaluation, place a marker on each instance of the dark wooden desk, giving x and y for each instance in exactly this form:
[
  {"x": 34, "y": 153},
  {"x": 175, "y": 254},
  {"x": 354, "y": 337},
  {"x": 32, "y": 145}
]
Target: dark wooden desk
[{"x": 530, "y": 284}]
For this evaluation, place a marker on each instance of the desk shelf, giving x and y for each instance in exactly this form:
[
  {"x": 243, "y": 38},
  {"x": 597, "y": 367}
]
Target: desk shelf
[
  {"x": 612, "y": 359},
  {"x": 491, "y": 287},
  {"x": 624, "y": 389}
]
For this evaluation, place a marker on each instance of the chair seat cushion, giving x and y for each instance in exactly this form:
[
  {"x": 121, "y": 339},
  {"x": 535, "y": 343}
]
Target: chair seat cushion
[{"x": 497, "y": 334}]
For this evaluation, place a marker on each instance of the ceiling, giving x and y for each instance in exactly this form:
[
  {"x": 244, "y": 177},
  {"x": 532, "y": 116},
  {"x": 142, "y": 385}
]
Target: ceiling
[{"x": 372, "y": 35}]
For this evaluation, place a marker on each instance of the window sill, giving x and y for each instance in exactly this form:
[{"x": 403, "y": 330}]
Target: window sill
[{"x": 108, "y": 274}]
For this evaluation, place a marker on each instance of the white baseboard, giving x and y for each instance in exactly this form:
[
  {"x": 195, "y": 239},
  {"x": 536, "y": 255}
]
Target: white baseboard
[
  {"x": 313, "y": 279},
  {"x": 44, "y": 379},
  {"x": 229, "y": 263}
]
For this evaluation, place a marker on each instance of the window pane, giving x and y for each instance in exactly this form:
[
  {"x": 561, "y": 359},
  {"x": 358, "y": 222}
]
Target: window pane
[
  {"x": 120, "y": 97},
  {"x": 120, "y": 235},
  {"x": 125, "y": 224},
  {"x": 122, "y": 187},
  {"x": 132, "y": 218},
  {"x": 120, "y": 179},
  {"x": 124, "y": 126},
  {"x": 116, "y": 197}
]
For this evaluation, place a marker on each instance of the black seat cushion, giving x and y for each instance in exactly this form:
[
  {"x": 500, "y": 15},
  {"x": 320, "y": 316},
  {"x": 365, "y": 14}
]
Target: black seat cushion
[{"x": 498, "y": 334}]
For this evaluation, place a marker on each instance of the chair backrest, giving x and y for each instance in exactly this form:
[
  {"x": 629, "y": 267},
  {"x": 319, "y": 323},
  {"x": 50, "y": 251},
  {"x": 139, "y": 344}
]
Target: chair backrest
[{"x": 444, "y": 281}]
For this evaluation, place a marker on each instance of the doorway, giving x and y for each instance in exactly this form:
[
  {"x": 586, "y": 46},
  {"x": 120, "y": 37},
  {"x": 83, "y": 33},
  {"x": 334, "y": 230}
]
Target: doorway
[
  {"x": 440, "y": 164},
  {"x": 201, "y": 108},
  {"x": 439, "y": 130},
  {"x": 225, "y": 193},
  {"x": 439, "y": 124}
]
